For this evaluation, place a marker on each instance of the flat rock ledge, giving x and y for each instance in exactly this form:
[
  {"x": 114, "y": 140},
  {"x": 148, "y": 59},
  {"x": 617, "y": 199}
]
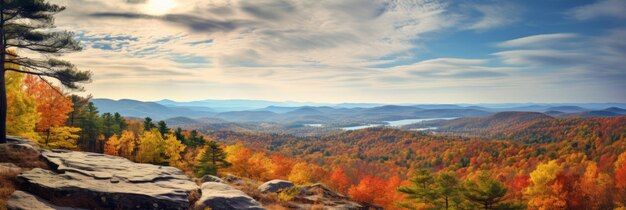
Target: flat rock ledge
[
  {"x": 20, "y": 200},
  {"x": 220, "y": 196},
  {"x": 97, "y": 181},
  {"x": 275, "y": 185}
]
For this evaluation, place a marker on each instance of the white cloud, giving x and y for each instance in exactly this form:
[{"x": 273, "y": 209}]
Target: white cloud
[
  {"x": 538, "y": 40},
  {"x": 601, "y": 8},
  {"x": 495, "y": 14},
  {"x": 316, "y": 51}
]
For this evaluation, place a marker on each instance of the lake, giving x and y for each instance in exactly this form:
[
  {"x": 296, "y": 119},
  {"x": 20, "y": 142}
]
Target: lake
[{"x": 395, "y": 123}]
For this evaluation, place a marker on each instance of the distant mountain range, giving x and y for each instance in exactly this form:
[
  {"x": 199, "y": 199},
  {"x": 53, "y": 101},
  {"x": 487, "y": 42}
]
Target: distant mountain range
[{"x": 332, "y": 114}]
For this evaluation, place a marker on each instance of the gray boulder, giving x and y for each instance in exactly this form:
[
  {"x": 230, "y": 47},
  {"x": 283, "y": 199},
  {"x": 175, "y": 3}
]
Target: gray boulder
[
  {"x": 211, "y": 178},
  {"x": 97, "y": 181},
  {"x": 219, "y": 196},
  {"x": 20, "y": 200},
  {"x": 275, "y": 185}
]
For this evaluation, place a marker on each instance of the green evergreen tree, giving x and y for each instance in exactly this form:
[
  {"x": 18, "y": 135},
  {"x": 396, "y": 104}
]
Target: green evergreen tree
[
  {"x": 194, "y": 139},
  {"x": 148, "y": 124},
  {"x": 179, "y": 135},
  {"x": 441, "y": 191},
  {"x": 421, "y": 190},
  {"x": 163, "y": 129},
  {"x": 484, "y": 191},
  {"x": 91, "y": 127},
  {"x": 211, "y": 160}
]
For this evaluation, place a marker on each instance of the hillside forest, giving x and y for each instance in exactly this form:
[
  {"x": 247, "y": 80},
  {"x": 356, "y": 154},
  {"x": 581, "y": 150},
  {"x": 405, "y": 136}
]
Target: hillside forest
[{"x": 539, "y": 163}]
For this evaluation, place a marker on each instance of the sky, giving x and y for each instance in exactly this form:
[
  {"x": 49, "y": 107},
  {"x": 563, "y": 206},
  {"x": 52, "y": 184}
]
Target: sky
[{"x": 389, "y": 51}]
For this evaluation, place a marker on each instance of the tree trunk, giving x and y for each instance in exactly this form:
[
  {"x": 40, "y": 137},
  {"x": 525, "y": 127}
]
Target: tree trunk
[
  {"x": 3, "y": 88},
  {"x": 3, "y": 105}
]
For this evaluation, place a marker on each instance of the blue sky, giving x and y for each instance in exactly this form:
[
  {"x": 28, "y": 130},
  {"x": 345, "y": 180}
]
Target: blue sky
[{"x": 402, "y": 51}]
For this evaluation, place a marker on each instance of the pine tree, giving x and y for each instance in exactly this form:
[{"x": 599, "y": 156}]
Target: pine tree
[
  {"x": 485, "y": 191},
  {"x": 21, "y": 24},
  {"x": 211, "y": 160},
  {"x": 148, "y": 124},
  {"x": 163, "y": 129}
]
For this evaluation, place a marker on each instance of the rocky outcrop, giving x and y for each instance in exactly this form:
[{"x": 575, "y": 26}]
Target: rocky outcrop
[
  {"x": 20, "y": 200},
  {"x": 97, "y": 181},
  {"x": 211, "y": 178},
  {"x": 275, "y": 185},
  {"x": 320, "y": 194},
  {"x": 219, "y": 196}
]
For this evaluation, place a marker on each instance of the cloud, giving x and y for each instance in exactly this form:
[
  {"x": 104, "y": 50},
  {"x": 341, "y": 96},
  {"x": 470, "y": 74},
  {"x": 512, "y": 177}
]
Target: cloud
[
  {"x": 590, "y": 57},
  {"x": 538, "y": 40},
  {"x": 381, "y": 50},
  {"x": 493, "y": 15},
  {"x": 601, "y": 8},
  {"x": 268, "y": 9},
  {"x": 194, "y": 23}
]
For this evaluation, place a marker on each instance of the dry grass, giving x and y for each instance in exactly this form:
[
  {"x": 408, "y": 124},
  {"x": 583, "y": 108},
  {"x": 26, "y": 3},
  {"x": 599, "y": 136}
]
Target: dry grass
[
  {"x": 24, "y": 158},
  {"x": 21, "y": 156},
  {"x": 7, "y": 183}
]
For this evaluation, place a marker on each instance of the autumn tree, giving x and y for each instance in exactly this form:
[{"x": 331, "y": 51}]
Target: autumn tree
[
  {"x": 27, "y": 24},
  {"x": 151, "y": 147},
  {"x": 63, "y": 137},
  {"x": 211, "y": 160},
  {"x": 301, "y": 173},
  {"x": 127, "y": 144},
  {"x": 339, "y": 179},
  {"x": 52, "y": 104},
  {"x": 112, "y": 146},
  {"x": 22, "y": 108},
  {"x": 620, "y": 180},
  {"x": 173, "y": 148},
  {"x": 540, "y": 193},
  {"x": 368, "y": 189}
]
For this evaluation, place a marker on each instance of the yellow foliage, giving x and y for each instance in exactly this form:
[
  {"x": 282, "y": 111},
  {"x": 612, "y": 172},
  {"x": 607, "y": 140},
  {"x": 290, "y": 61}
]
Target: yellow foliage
[
  {"x": 22, "y": 115},
  {"x": 301, "y": 173},
  {"x": 127, "y": 144},
  {"x": 151, "y": 146},
  {"x": 63, "y": 137},
  {"x": 173, "y": 148},
  {"x": 112, "y": 146},
  {"x": 540, "y": 193}
]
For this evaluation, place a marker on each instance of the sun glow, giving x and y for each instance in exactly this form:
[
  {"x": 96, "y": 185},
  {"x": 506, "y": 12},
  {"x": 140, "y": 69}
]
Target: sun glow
[{"x": 159, "y": 7}]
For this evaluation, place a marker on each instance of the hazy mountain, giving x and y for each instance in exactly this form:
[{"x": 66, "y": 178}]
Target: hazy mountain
[
  {"x": 567, "y": 109},
  {"x": 616, "y": 110},
  {"x": 235, "y": 105},
  {"x": 133, "y": 108},
  {"x": 594, "y": 113},
  {"x": 278, "y": 109},
  {"x": 498, "y": 120},
  {"x": 293, "y": 113}
]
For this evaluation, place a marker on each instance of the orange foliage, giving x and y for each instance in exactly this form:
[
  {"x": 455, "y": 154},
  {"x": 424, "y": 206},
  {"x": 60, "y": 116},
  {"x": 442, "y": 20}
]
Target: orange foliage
[{"x": 52, "y": 105}]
